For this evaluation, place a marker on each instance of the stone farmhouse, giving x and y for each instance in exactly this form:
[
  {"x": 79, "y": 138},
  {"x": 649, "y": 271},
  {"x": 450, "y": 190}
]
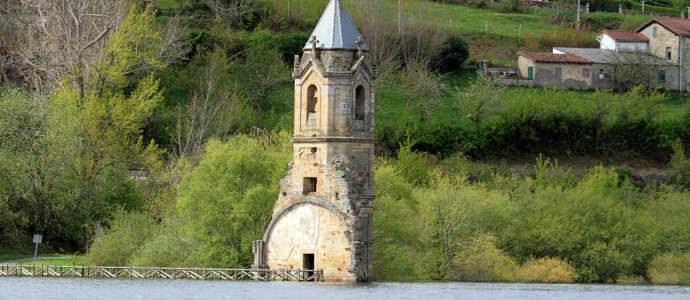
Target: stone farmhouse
[
  {"x": 666, "y": 40},
  {"x": 323, "y": 217}
]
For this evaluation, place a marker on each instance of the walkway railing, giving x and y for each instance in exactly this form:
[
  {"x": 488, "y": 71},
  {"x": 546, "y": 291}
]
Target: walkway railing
[{"x": 163, "y": 273}]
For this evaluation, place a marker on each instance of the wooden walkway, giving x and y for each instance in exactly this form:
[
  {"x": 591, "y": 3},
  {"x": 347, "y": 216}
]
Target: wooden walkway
[{"x": 163, "y": 273}]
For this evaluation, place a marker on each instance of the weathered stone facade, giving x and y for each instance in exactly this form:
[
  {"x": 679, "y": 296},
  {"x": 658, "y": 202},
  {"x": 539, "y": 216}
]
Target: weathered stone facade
[
  {"x": 323, "y": 216},
  {"x": 679, "y": 45}
]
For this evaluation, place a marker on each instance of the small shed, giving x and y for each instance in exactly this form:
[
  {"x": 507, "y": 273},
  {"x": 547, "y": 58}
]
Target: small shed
[{"x": 556, "y": 70}]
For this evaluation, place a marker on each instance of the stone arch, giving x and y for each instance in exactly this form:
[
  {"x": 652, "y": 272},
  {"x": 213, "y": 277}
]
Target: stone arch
[
  {"x": 360, "y": 100},
  {"x": 285, "y": 211}
]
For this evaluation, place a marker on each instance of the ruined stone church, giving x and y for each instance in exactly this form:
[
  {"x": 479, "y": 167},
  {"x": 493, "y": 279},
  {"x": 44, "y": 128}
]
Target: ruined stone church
[{"x": 323, "y": 216}]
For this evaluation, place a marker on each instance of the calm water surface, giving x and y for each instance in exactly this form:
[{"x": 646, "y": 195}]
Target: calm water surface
[{"x": 91, "y": 288}]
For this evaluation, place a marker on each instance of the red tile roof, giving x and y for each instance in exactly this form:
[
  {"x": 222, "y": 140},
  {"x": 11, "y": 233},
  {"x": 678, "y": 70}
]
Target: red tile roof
[
  {"x": 543, "y": 57},
  {"x": 677, "y": 26},
  {"x": 624, "y": 36}
]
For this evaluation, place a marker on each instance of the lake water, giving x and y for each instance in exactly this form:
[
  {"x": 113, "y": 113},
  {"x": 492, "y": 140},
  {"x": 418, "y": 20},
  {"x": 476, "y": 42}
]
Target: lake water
[{"x": 91, "y": 288}]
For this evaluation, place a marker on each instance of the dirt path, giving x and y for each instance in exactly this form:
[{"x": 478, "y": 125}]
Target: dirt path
[{"x": 9, "y": 262}]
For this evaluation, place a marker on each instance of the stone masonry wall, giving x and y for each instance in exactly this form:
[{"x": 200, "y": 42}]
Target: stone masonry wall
[{"x": 325, "y": 205}]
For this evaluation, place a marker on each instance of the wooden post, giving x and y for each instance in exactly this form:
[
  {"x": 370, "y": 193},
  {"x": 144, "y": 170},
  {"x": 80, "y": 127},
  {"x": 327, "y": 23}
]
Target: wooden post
[
  {"x": 487, "y": 26},
  {"x": 578, "y": 14},
  {"x": 520, "y": 30},
  {"x": 400, "y": 21}
]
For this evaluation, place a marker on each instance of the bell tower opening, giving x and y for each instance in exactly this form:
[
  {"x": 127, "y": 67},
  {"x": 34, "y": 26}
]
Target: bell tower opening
[
  {"x": 312, "y": 100},
  {"x": 359, "y": 103}
]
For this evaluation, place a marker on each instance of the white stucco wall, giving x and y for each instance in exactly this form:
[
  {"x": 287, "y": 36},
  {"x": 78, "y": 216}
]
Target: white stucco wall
[{"x": 606, "y": 42}]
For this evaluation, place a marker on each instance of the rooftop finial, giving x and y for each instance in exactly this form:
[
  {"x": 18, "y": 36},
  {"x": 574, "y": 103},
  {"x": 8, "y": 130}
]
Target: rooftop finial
[
  {"x": 313, "y": 42},
  {"x": 359, "y": 43}
]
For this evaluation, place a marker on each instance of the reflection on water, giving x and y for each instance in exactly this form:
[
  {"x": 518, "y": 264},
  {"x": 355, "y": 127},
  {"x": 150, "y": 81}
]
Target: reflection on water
[{"x": 91, "y": 288}]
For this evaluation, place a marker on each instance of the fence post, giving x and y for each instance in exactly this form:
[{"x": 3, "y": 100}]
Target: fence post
[
  {"x": 587, "y": 8},
  {"x": 620, "y": 9}
]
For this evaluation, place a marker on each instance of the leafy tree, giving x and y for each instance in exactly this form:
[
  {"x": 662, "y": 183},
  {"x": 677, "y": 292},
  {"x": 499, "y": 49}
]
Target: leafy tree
[
  {"x": 482, "y": 97},
  {"x": 636, "y": 67},
  {"x": 424, "y": 86},
  {"x": 110, "y": 110},
  {"x": 680, "y": 166},
  {"x": 680, "y": 3},
  {"x": 453, "y": 212},
  {"x": 41, "y": 190},
  {"x": 261, "y": 74},
  {"x": 397, "y": 244},
  {"x": 227, "y": 201}
]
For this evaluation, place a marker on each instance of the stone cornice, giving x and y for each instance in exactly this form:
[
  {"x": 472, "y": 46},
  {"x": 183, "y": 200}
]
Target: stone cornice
[{"x": 336, "y": 139}]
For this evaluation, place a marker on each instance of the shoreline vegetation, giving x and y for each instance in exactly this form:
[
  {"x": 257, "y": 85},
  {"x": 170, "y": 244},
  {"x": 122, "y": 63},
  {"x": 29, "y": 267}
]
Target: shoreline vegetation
[{"x": 163, "y": 142}]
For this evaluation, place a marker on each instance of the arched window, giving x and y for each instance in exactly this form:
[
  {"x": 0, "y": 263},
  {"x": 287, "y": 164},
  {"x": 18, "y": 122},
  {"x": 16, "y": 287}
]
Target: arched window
[
  {"x": 312, "y": 100},
  {"x": 359, "y": 103}
]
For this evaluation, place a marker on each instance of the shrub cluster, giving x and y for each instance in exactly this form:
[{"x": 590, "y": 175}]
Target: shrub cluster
[
  {"x": 547, "y": 226},
  {"x": 533, "y": 121},
  {"x": 670, "y": 268}
]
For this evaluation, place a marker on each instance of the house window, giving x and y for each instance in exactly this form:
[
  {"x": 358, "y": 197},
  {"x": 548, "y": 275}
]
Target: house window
[
  {"x": 309, "y": 185},
  {"x": 585, "y": 73},
  {"x": 359, "y": 103},
  {"x": 312, "y": 100},
  {"x": 654, "y": 31},
  {"x": 668, "y": 53},
  {"x": 662, "y": 77},
  {"x": 603, "y": 74}
]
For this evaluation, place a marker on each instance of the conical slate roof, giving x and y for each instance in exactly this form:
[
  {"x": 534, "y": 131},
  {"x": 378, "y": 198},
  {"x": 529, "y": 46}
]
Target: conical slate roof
[{"x": 335, "y": 29}]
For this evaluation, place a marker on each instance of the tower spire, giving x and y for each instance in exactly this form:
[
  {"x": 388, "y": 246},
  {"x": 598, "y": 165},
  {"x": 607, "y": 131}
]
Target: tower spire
[{"x": 335, "y": 29}]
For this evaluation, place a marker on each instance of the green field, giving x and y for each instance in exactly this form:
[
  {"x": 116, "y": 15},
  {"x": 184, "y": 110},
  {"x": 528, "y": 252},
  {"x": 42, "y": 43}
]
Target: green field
[{"x": 167, "y": 3}]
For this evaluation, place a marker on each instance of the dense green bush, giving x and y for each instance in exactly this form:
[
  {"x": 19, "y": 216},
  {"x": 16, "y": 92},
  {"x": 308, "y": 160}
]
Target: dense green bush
[
  {"x": 599, "y": 123},
  {"x": 453, "y": 53},
  {"x": 223, "y": 205},
  {"x": 600, "y": 228},
  {"x": 40, "y": 189},
  {"x": 680, "y": 166},
  {"x": 547, "y": 270},
  {"x": 116, "y": 246},
  {"x": 670, "y": 268},
  {"x": 200, "y": 41},
  {"x": 483, "y": 261},
  {"x": 634, "y": 5},
  {"x": 288, "y": 44}
]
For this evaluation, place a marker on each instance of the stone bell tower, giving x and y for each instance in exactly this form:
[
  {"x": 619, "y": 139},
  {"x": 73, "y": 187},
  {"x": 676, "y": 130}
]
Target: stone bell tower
[{"x": 323, "y": 216}]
